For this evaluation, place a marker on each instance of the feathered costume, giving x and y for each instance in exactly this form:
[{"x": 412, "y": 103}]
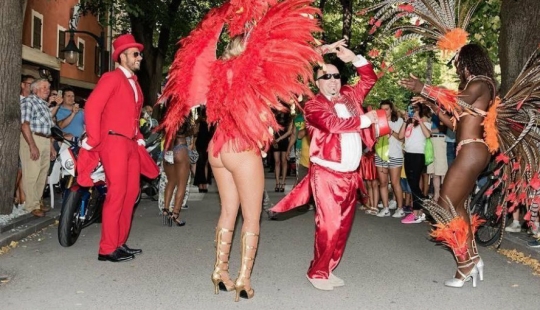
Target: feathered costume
[
  {"x": 240, "y": 92},
  {"x": 510, "y": 124}
]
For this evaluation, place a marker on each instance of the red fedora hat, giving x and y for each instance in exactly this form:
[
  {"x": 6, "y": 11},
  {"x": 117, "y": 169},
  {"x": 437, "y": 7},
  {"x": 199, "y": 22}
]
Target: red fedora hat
[{"x": 124, "y": 42}]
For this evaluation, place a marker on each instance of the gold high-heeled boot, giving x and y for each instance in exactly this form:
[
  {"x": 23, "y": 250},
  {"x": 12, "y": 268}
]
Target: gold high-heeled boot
[
  {"x": 248, "y": 257},
  {"x": 223, "y": 248}
]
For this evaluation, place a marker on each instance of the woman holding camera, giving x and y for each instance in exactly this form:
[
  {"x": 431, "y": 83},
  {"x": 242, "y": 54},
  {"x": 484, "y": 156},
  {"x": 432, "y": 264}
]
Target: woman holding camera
[{"x": 416, "y": 130}]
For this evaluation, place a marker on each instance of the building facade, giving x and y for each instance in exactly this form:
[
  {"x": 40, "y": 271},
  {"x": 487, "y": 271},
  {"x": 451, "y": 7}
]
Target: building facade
[{"x": 45, "y": 35}]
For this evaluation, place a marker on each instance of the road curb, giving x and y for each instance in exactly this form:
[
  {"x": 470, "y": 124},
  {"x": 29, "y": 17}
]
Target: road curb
[
  {"x": 518, "y": 241},
  {"x": 20, "y": 232}
]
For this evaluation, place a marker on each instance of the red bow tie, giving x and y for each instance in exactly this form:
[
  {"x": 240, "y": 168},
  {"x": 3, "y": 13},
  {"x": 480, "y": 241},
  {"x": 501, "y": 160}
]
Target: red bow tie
[{"x": 133, "y": 77}]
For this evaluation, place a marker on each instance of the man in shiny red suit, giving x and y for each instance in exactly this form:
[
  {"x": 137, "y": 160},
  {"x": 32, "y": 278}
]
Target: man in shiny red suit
[
  {"x": 337, "y": 126},
  {"x": 112, "y": 115}
]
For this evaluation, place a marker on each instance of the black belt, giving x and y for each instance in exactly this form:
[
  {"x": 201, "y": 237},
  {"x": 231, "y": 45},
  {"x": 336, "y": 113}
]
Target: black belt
[
  {"x": 41, "y": 135},
  {"x": 112, "y": 133},
  {"x": 438, "y": 135}
]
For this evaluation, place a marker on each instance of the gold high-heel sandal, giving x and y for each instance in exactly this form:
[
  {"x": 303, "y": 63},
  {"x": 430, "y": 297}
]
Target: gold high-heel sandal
[
  {"x": 219, "y": 284},
  {"x": 246, "y": 267}
]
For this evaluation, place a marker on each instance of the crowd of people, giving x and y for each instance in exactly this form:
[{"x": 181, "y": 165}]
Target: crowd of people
[
  {"x": 42, "y": 109},
  {"x": 338, "y": 152}
]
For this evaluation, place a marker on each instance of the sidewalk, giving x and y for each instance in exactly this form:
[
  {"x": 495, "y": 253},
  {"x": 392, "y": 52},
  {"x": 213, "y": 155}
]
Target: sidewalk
[{"x": 23, "y": 226}]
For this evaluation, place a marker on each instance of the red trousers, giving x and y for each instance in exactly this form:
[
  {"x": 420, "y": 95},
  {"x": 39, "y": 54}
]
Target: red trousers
[
  {"x": 120, "y": 159},
  {"x": 335, "y": 198}
]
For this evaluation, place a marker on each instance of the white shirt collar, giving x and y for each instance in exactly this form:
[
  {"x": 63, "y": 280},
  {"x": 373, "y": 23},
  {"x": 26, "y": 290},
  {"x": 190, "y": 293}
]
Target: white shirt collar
[{"x": 126, "y": 72}]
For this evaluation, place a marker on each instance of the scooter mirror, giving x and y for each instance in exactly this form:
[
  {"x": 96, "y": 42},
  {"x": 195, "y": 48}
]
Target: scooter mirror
[{"x": 57, "y": 133}]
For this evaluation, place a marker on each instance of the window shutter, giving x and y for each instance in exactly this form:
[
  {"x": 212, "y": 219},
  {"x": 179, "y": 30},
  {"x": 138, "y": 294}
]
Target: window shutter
[
  {"x": 61, "y": 43},
  {"x": 80, "y": 63},
  {"x": 97, "y": 60},
  {"x": 37, "y": 33},
  {"x": 107, "y": 60}
]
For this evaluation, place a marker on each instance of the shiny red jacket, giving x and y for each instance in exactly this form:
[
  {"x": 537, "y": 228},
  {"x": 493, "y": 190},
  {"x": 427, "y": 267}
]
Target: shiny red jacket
[{"x": 324, "y": 125}]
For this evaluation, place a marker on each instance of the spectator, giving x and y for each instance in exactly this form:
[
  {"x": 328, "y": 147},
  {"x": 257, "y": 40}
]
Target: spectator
[
  {"x": 279, "y": 147},
  {"x": 54, "y": 103},
  {"x": 389, "y": 166},
  {"x": 302, "y": 146},
  {"x": 515, "y": 226},
  {"x": 369, "y": 175},
  {"x": 450, "y": 146},
  {"x": 415, "y": 130},
  {"x": 26, "y": 81},
  {"x": 407, "y": 199},
  {"x": 36, "y": 150},
  {"x": 437, "y": 169},
  {"x": 203, "y": 137},
  {"x": 70, "y": 117},
  {"x": 177, "y": 170}
]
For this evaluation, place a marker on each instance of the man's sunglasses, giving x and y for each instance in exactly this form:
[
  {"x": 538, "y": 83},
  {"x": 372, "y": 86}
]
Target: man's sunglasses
[
  {"x": 137, "y": 54},
  {"x": 328, "y": 76}
]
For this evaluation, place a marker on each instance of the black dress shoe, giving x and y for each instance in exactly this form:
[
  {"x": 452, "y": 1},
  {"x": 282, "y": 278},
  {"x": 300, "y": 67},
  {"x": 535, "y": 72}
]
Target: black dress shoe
[
  {"x": 129, "y": 250},
  {"x": 116, "y": 256}
]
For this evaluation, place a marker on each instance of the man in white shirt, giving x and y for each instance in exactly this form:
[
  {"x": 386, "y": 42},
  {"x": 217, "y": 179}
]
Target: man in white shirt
[{"x": 337, "y": 127}]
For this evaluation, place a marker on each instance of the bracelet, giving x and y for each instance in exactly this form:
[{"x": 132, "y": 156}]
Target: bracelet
[{"x": 430, "y": 92}]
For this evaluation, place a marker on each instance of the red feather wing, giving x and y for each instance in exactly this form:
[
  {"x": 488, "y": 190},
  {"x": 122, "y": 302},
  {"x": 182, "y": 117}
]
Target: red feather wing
[
  {"x": 275, "y": 65},
  {"x": 189, "y": 74}
]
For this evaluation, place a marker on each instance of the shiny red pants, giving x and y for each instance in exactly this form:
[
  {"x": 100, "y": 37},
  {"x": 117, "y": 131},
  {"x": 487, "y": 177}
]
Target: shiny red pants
[
  {"x": 335, "y": 199},
  {"x": 120, "y": 159}
]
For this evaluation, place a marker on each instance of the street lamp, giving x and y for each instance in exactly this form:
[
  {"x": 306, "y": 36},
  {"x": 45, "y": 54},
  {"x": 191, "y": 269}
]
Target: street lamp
[{"x": 71, "y": 51}]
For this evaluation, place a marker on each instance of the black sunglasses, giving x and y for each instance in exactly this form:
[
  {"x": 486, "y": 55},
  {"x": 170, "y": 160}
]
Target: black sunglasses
[
  {"x": 137, "y": 54},
  {"x": 328, "y": 76}
]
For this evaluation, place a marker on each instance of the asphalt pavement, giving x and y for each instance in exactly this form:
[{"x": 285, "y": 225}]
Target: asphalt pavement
[{"x": 387, "y": 265}]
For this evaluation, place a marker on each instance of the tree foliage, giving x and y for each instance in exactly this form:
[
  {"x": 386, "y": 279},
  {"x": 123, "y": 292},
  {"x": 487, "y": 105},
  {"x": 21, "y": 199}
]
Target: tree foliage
[{"x": 158, "y": 25}]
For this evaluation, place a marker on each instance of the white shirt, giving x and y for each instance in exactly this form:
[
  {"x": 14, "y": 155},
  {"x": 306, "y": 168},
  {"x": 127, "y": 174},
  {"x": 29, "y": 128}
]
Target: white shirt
[
  {"x": 131, "y": 81},
  {"x": 351, "y": 145},
  {"x": 415, "y": 141},
  {"x": 395, "y": 148}
]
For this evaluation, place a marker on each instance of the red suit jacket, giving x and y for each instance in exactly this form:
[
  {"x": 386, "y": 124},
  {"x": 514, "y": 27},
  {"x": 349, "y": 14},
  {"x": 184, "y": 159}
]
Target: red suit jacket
[
  {"x": 325, "y": 127},
  {"x": 112, "y": 107}
]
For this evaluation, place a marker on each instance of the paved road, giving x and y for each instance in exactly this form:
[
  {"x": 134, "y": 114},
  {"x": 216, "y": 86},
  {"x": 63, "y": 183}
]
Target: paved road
[{"x": 387, "y": 265}]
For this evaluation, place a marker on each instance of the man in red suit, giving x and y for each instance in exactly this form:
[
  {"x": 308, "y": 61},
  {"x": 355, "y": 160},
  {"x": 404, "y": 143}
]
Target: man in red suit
[
  {"x": 337, "y": 127},
  {"x": 112, "y": 115}
]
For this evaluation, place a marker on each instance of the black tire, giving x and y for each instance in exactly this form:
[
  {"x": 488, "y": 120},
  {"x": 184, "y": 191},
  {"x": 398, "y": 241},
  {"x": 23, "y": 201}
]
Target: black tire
[
  {"x": 491, "y": 232},
  {"x": 69, "y": 227},
  {"x": 95, "y": 206},
  {"x": 138, "y": 200}
]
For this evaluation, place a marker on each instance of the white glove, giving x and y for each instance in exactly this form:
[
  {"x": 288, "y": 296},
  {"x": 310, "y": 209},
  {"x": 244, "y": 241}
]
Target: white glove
[
  {"x": 141, "y": 142},
  {"x": 85, "y": 145}
]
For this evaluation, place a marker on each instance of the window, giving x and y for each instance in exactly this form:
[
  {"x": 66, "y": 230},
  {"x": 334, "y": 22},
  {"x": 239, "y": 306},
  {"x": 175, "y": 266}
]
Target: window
[
  {"x": 37, "y": 30},
  {"x": 80, "y": 44},
  {"x": 61, "y": 42}
]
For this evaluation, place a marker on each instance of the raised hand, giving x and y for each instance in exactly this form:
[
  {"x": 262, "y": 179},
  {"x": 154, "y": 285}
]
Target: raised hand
[
  {"x": 413, "y": 84},
  {"x": 345, "y": 54}
]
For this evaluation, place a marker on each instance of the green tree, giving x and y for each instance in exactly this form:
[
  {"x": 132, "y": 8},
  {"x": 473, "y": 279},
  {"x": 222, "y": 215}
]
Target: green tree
[{"x": 158, "y": 25}]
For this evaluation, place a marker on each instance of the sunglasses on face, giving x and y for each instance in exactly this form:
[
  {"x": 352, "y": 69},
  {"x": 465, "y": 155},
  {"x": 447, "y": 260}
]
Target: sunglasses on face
[
  {"x": 328, "y": 76},
  {"x": 136, "y": 54}
]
